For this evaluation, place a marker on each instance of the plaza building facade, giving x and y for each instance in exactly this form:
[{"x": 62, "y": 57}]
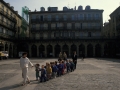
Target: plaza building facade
[
  {"x": 10, "y": 28},
  {"x": 111, "y": 31},
  {"x": 69, "y": 30}
]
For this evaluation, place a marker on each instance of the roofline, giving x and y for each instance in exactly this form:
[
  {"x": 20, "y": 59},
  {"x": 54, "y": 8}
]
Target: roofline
[
  {"x": 10, "y": 8},
  {"x": 114, "y": 11},
  {"x": 65, "y": 11}
]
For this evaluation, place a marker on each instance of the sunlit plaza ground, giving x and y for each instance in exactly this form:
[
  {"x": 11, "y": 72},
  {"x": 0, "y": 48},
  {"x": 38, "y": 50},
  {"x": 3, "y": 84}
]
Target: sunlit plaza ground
[{"x": 91, "y": 74}]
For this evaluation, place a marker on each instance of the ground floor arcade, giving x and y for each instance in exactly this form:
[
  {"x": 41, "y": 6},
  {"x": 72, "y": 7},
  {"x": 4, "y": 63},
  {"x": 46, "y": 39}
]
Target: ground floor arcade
[{"x": 52, "y": 49}]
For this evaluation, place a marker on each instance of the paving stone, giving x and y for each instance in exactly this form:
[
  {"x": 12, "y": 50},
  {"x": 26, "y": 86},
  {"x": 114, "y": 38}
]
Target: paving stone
[{"x": 5, "y": 76}]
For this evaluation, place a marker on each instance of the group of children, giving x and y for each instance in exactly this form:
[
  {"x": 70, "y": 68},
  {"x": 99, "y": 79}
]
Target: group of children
[{"x": 53, "y": 69}]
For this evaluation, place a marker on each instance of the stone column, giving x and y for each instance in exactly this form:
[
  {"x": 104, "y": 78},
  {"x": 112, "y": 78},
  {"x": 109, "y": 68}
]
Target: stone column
[
  {"x": 85, "y": 50},
  {"x": 77, "y": 50},
  {"x": 38, "y": 51},
  {"x": 53, "y": 50},
  {"x": 93, "y": 50},
  {"x": 4, "y": 47},
  {"x": 69, "y": 51},
  {"x": 8, "y": 51},
  {"x": 45, "y": 50},
  {"x": 102, "y": 50},
  {"x": 12, "y": 51}
]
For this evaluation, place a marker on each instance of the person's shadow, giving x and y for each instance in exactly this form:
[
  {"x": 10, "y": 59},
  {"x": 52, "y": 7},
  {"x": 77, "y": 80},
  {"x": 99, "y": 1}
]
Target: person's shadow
[
  {"x": 11, "y": 87},
  {"x": 16, "y": 86}
]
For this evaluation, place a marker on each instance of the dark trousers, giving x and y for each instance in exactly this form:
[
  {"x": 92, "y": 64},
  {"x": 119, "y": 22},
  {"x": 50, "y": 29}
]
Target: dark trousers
[
  {"x": 68, "y": 69},
  {"x": 37, "y": 75},
  {"x": 43, "y": 77},
  {"x": 75, "y": 65}
]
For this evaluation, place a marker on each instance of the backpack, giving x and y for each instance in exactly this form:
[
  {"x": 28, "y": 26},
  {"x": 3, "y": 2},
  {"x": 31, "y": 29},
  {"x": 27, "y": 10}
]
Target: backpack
[
  {"x": 55, "y": 68},
  {"x": 68, "y": 64}
]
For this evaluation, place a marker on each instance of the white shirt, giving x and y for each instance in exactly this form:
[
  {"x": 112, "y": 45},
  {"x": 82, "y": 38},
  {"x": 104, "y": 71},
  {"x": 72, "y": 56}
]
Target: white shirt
[{"x": 24, "y": 62}]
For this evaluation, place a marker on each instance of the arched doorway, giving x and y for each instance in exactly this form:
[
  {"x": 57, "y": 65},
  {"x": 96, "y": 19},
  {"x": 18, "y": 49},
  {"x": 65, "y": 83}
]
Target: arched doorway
[
  {"x": 22, "y": 47},
  {"x": 73, "y": 49},
  {"x": 41, "y": 51},
  {"x": 34, "y": 51},
  {"x": 57, "y": 50},
  {"x": 10, "y": 51},
  {"x": 1, "y": 47},
  {"x": 81, "y": 50},
  {"x": 97, "y": 50},
  {"x": 6, "y": 47},
  {"x": 49, "y": 51},
  {"x": 90, "y": 50},
  {"x": 65, "y": 49},
  {"x": 14, "y": 51},
  {"x": 105, "y": 50}
]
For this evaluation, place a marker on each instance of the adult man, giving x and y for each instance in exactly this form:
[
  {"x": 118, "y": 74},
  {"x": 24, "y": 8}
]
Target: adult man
[
  {"x": 24, "y": 63},
  {"x": 74, "y": 57}
]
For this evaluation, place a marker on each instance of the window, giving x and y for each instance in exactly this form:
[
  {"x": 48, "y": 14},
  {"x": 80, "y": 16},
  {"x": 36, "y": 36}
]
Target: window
[
  {"x": 34, "y": 26},
  {"x": 2, "y": 8},
  {"x": 89, "y": 17},
  {"x": 77, "y": 25},
  {"x": 69, "y": 25},
  {"x": 33, "y": 16},
  {"x": 57, "y": 18},
  {"x": 97, "y": 16},
  {"x": 89, "y": 34},
  {"x": 73, "y": 17},
  {"x": 11, "y": 14},
  {"x": 72, "y": 34},
  {"x": 53, "y": 25},
  {"x": 41, "y": 26},
  {"x": 6, "y": 31},
  {"x": 80, "y": 17},
  {"x": 49, "y": 17},
  {"x": 89, "y": 25},
  {"x": 7, "y": 11},
  {"x": 1, "y": 29},
  {"x": 65, "y": 17},
  {"x": 41, "y": 18},
  {"x": 37, "y": 36},
  {"x": 2, "y": 19}
]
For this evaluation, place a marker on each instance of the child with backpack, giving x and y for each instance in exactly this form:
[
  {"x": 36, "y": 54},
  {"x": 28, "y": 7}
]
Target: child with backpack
[
  {"x": 54, "y": 70},
  {"x": 60, "y": 68},
  {"x": 72, "y": 65},
  {"x": 49, "y": 71},
  {"x": 64, "y": 67},
  {"x": 37, "y": 68},
  {"x": 43, "y": 74},
  {"x": 68, "y": 66}
]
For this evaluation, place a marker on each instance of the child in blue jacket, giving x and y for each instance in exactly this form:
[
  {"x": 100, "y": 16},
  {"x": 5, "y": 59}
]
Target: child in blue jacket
[{"x": 43, "y": 74}]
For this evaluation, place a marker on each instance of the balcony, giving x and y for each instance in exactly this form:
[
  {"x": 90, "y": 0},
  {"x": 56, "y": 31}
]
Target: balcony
[
  {"x": 92, "y": 28},
  {"x": 4, "y": 24},
  {"x": 8, "y": 15},
  {"x": 85, "y": 19}
]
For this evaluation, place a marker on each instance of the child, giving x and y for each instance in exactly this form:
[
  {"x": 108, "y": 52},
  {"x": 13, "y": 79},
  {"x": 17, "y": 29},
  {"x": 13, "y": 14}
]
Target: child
[
  {"x": 60, "y": 68},
  {"x": 64, "y": 67},
  {"x": 43, "y": 74},
  {"x": 37, "y": 71},
  {"x": 71, "y": 65},
  {"x": 68, "y": 66},
  {"x": 49, "y": 71},
  {"x": 54, "y": 70},
  {"x": 57, "y": 65}
]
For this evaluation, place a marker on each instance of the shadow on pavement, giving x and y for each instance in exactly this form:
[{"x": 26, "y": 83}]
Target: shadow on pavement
[
  {"x": 109, "y": 59},
  {"x": 11, "y": 87}
]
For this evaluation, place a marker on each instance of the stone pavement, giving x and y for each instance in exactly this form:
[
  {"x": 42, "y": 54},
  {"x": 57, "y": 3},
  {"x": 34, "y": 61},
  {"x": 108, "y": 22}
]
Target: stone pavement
[{"x": 91, "y": 74}]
